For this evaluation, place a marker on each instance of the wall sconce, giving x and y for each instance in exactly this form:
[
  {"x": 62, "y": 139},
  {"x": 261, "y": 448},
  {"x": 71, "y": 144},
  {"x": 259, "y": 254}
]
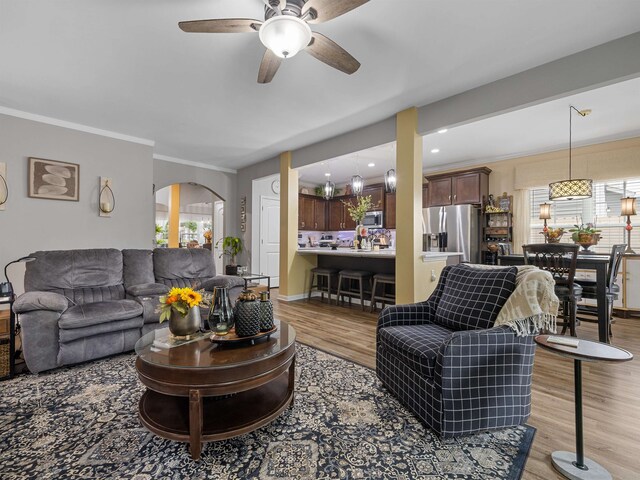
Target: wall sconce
[
  {"x": 545, "y": 214},
  {"x": 628, "y": 208},
  {"x": 4, "y": 188},
  {"x": 106, "y": 198}
]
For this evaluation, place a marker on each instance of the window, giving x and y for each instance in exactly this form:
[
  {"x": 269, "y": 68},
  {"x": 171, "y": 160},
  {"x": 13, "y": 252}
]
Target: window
[{"x": 603, "y": 209}]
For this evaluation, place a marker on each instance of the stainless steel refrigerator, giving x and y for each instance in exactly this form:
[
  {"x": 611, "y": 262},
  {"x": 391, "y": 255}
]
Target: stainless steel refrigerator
[{"x": 461, "y": 223}]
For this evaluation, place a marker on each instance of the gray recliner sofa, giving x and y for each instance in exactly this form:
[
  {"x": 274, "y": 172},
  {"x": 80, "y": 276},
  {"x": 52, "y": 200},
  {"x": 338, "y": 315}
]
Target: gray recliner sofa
[{"x": 81, "y": 305}]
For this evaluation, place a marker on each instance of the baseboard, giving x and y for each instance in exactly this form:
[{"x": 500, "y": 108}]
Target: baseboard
[{"x": 315, "y": 294}]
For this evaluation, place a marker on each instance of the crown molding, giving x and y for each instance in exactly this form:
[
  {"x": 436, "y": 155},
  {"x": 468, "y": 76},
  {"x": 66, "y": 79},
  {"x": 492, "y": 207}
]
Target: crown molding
[
  {"x": 74, "y": 126},
  {"x": 191, "y": 163}
]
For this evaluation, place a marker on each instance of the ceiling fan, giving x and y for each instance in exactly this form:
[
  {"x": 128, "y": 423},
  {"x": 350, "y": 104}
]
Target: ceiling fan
[{"x": 285, "y": 31}]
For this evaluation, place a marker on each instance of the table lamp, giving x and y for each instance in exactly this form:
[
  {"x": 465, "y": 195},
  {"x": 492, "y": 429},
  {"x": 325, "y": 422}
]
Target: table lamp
[
  {"x": 6, "y": 289},
  {"x": 628, "y": 208},
  {"x": 545, "y": 214}
]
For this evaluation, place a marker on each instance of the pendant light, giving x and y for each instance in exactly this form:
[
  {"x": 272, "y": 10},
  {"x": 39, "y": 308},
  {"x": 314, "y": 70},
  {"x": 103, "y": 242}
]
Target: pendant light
[
  {"x": 357, "y": 185},
  {"x": 328, "y": 190},
  {"x": 572, "y": 189},
  {"x": 390, "y": 181}
]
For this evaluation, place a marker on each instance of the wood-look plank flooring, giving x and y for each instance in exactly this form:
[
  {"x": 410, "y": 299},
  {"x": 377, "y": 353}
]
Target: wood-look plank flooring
[{"x": 611, "y": 392}]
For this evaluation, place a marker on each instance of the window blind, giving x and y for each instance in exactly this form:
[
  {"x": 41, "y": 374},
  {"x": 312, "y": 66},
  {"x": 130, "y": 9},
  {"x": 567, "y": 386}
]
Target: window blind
[{"x": 603, "y": 209}]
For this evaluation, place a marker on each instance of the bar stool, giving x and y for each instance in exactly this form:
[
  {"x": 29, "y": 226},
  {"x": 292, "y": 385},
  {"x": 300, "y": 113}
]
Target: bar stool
[
  {"x": 317, "y": 274},
  {"x": 386, "y": 298},
  {"x": 351, "y": 276}
]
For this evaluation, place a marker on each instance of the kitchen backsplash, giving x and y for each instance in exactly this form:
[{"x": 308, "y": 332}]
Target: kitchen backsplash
[{"x": 343, "y": 238}]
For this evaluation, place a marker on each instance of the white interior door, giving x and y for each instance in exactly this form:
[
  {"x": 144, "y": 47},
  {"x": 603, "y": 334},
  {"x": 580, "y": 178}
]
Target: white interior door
[
  {"x": 218, "y": 234},
  {"x": 270, "y": 239}
]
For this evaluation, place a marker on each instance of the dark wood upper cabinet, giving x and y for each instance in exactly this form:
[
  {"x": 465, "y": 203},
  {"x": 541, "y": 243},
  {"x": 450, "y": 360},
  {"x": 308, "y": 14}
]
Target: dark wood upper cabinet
[
  {"x": 320, "y": 214},
  {"x": 458, "y": 188},
  {"x": 377, "y": 197},
  {"x": 425, "y": 196},
  {"x": 312, "y": 213},
  {"x": 390, "y": 210},
  {"x": 336, "y": 214},
  {"x": 439, "y": 192}
]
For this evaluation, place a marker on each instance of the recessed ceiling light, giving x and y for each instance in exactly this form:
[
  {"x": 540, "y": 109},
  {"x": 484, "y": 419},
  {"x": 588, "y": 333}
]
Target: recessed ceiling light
[
  {"x": 327, "y": 174},
  {"x": 435, "y": 150},
  {"x": 443, "y": 130},
  {"x": 371, "y": 164}
]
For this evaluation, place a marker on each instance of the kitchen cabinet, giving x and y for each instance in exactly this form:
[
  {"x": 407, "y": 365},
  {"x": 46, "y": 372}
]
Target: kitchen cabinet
[
  {"x": 631, "y": 282},
  {"x": 390, "y": 207},
  {"x": 339, "y": 218},
  {"x": 458, "y": 188},
  {"x": 377, "y": 197},
  {"x": 390, "y": 210},
  {"x": 312, "y": 213}
]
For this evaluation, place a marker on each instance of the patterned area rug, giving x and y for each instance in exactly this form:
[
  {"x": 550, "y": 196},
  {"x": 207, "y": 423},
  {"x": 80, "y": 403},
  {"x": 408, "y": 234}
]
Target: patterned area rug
[{"x": 81, "y": 423}]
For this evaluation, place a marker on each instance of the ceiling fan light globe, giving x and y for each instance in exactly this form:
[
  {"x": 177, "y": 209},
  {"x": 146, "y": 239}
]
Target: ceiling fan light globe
[{"x": 285, "y": 35}]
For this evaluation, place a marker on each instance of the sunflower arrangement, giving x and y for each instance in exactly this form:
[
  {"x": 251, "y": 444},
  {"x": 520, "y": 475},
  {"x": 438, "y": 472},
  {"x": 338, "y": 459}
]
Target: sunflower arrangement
[{"x": 178, "y": 300}]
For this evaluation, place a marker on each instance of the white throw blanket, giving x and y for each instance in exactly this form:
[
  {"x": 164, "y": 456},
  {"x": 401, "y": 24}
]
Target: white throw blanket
[{"x": 533, "y": 305}]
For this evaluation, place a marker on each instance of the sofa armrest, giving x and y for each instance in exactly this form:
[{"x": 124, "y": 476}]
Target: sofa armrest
[
  {"x": 399, "y": 315},
  {"x": 495, "y": 360},
  {"x": 33, "y": 301},
  {"x": 228, "y": 281},
  {"x": 147, "y": 289}
]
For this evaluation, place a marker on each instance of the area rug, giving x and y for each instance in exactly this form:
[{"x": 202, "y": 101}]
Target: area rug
[{"x": 81, "y": 423}]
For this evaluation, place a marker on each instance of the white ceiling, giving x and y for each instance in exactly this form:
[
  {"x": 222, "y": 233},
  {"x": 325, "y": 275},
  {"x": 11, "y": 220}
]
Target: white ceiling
[
  {"x": 542, "y": 128},
  {"x": 124, "y": 66}
]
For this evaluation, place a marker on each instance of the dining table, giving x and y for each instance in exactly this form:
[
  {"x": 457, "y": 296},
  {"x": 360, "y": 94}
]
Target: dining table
[{"x": 598, "y": 263}]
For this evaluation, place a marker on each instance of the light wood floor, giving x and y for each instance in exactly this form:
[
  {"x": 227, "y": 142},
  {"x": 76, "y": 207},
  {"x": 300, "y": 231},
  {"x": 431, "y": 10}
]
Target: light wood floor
[{"x": 611, "y": 392}]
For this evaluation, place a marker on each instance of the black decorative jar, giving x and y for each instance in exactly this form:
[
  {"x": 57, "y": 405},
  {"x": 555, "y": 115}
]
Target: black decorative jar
[
  {"x": 247, "y": 314},
  {"x": 266, "y": 312}
]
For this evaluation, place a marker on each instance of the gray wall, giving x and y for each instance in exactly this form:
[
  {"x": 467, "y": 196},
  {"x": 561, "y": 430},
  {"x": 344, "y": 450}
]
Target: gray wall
[
  {"x": 224, "y": 185},
  {"x": 30, "y": 224}
]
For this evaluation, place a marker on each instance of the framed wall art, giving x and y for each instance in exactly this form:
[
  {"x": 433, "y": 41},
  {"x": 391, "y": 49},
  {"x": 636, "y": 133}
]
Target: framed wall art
[{"x": 54, "y": 180}]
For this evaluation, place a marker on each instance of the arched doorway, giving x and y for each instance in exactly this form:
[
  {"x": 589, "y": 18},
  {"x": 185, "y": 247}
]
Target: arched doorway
[{"x": 189, "y": 215}]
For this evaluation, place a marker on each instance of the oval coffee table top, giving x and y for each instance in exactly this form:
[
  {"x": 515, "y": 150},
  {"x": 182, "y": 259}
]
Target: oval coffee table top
[
  {"x": 153, "y": 348},
  {"x": 586, "y": 350}
]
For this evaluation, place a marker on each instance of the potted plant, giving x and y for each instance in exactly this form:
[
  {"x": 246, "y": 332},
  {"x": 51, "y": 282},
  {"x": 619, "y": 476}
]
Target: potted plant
[
  {"x": 181, "y": 307},
  {"x": 357, "y": 212},
  {"x": 553, "y": 235},
  {"x": 585, "y": 235},
  {"x": 231, "y": 247}
]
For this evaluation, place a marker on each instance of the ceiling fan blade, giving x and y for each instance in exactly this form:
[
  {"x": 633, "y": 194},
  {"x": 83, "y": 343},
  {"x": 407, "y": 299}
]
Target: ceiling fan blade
[
  {"x": 329, "y": 52},
  {"x": 221, "y": 25},
  {"x": 269, "y": 66},
  {"x": 324, "y": 10}
]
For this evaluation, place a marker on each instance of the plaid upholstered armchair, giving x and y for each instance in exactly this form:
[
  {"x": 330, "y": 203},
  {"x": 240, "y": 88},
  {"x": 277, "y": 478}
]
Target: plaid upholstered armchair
[{"x": 444, "y": 361}]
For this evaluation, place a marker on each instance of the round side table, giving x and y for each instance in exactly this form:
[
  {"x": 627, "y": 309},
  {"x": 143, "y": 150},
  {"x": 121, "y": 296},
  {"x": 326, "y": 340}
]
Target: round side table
[{"x": 575, "y": 465}]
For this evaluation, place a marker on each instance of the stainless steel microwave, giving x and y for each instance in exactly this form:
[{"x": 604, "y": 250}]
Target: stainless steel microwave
[{"x": 373, "y": 219}]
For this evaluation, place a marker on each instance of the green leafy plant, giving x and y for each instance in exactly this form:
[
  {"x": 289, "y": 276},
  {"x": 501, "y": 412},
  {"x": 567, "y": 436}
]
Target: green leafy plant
[
  {"x": 583, "y": 230},
  {"x": 158, "y": 228},
  {"x": 361, "y": 207},
  {"x": 190, "y": 225},
  {"x": 231, "y": 246},
  {"x": 319, "y": 191}
]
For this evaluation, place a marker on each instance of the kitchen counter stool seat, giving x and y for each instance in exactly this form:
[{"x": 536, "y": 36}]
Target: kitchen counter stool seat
[
  {"x": 322, "y": 277},
  {"x": 385, "y": 279},
  {"x": 349, "y": 277}
]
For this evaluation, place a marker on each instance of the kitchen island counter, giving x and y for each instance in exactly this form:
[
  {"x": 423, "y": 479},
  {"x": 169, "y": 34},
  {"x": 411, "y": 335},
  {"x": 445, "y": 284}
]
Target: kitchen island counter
[{"x": 385, "y": 253}]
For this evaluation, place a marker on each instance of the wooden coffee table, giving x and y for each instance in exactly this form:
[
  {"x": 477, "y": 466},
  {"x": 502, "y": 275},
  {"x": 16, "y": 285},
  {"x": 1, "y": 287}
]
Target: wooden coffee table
[{"x": 201, "y": 391}]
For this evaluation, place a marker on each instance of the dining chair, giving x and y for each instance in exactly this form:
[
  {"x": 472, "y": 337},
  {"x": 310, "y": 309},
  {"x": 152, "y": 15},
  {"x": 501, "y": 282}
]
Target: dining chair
[
  {"x": 559, "y": 259},
  {"x": 589, "y": 288}
]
